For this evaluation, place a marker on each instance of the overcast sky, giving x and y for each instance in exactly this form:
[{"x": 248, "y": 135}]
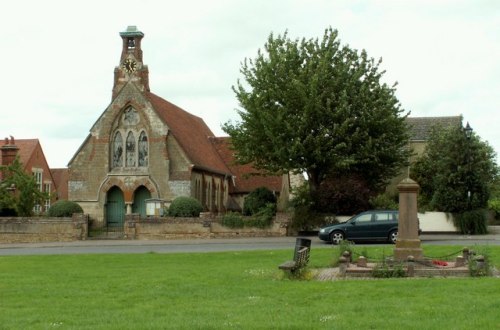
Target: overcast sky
[{"x": 58, "y": 57}]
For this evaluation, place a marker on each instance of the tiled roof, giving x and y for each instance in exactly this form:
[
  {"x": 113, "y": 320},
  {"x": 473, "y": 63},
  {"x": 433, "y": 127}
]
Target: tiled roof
[
  {"x": 420, "y": 127},
  {"x": 191, "y": 133},
  {"x": 244, "y": 181},
  {"x": 60, "y": 176},
  {"x": 26, "y": 149}
]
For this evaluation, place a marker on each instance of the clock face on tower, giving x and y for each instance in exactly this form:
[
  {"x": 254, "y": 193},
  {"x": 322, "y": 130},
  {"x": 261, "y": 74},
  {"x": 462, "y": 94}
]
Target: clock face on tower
[{"x": 129, "y": 65}]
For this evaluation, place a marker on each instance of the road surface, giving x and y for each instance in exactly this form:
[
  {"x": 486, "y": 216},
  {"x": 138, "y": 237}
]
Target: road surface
[{"x": 211, "y": 245}]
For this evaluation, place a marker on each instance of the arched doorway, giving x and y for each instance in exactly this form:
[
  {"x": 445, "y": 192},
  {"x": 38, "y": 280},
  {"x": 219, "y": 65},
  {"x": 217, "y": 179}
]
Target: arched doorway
[
  {"x": 115, "y": 208},
  {"x": 140, "y": 196}
]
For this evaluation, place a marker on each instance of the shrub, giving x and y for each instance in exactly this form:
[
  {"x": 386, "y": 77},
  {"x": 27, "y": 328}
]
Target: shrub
[
  {"x": 305, "y": 217},
  {"x": 384, "y": 202},
  {"x": 472, "y": 222},
  {"x": 263, "y": 218},
  {"x": 339, "y": 251},
  {"x": 64, "y": 208},
  {"x": 475, "y": 269},
  {"x": 494, "y": 205},
  {"x": 384, "y": 271},
  {"x": 232, "y": 220},
  {"x": 185, "y": 207},
  {"x": 257, "y": 200}
]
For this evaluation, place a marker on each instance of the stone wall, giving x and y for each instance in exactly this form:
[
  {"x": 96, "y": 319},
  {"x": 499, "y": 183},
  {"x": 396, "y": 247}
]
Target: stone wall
[
  {"x": 204, "y": 227},
  {"x": 43, "y": 229}
]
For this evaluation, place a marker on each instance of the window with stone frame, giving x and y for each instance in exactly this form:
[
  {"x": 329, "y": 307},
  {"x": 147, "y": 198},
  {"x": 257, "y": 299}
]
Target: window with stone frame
[
  {"x": 38, "y": 176},
  {"x": 217, "y": 195},
  {"x": 143, "y": 149},
  {"x": 47, "y": 189},
  {"x": 208, "y": 200},
  {"x": 117, "y": 153},
  {"x": 130, "y": 150}
]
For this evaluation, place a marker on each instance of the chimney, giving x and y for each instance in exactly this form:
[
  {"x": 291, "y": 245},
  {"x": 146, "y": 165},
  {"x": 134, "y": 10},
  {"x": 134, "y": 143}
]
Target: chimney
[{"x": 9, "y": 151}]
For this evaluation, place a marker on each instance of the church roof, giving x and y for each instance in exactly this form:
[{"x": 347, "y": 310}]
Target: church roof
[
  {"x": 420, "y": 127},
  {"x": 244, "y": 181},
  {"x": 191, "y": 133}
]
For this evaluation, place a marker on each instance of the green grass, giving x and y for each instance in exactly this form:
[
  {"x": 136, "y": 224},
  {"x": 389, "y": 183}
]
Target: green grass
[{"x": 232, "y": 290}]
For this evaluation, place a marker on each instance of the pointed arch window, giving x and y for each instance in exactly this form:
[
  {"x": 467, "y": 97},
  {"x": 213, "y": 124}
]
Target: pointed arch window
[
  {"x": 117, "y": 150},
  {"x": 143, "y": 149},
  {"x": 130, "y": 150}
]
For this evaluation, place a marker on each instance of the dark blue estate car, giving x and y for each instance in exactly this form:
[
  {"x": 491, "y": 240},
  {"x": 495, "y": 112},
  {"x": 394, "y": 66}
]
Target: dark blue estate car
[{"x": 369, "y": 225}]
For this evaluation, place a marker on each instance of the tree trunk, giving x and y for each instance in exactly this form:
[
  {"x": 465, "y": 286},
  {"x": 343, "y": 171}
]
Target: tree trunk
[{"x": 314, "y": 180}]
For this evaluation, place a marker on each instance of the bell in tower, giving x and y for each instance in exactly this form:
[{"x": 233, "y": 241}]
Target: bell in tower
[
  {"x": 132, "y": 43},
  {"x": 131, "y": 67}
]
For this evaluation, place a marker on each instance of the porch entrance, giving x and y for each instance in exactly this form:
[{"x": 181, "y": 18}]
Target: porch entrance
[
  {"x": 115, "y": 209},
  {"x": 140, "y": 196}
]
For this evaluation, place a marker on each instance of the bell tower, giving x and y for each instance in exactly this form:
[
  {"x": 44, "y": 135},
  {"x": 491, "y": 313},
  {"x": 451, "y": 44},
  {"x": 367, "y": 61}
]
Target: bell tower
[{"x": 131, "y": 68}]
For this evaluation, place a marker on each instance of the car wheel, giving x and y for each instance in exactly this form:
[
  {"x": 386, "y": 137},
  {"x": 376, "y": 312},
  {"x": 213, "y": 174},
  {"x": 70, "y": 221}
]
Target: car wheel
[
  {"x": 336, "y": 237},
  {"x": 393, "y": 236}
]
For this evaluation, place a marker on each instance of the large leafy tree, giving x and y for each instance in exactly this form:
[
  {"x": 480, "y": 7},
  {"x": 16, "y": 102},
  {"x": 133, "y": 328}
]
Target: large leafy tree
[
  {"x": 456, "y": 172},
  {"x": 19, "y": 192},
  {"x": 318, "y": 107}
]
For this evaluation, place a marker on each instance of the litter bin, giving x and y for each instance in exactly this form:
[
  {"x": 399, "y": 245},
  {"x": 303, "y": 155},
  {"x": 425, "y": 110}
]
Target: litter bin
[{"x": 300, "y": 243}]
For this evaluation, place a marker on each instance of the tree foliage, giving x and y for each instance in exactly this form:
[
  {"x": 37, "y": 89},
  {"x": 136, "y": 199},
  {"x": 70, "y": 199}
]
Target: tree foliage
[
  {"x": 26, "y": 194},
  {"x": 452, "y": 166},
  {"x": 344, "y": 195},
  {"x": 318, "y": 107}
]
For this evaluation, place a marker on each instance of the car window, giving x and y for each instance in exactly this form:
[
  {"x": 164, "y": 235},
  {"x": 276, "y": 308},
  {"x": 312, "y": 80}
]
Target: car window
[
  {"x": 383, "y": 217},
  {"x": 364, "y": 218}
]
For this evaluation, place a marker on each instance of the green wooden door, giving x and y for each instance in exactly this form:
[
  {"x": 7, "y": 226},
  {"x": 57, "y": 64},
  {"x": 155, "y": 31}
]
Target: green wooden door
[
  {"x": 115, "y": 208},
  {"x": 140, "y": 195}
]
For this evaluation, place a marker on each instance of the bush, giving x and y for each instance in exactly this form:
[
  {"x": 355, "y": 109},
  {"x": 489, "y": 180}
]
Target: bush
[
  {"x": 384, "y": 202},
  {"x": 257, "y": 200},
  {"x": 232, "y": 220},
  {"x": 64, "y": 208},
  {"x": 305, "y": 217},
  {"x": 494, "y": 205},
  {"x": 384, "y": 271},
  {"x": 263, "y": 218},
  {"x": 185, "y": 207},
  {"x": 475, "y": 269},
  {"x": 472, "y": 222}
]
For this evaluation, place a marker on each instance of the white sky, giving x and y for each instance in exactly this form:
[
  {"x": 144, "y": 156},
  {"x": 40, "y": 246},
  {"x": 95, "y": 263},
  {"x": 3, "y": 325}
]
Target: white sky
[{"x": 58, "y": 57}]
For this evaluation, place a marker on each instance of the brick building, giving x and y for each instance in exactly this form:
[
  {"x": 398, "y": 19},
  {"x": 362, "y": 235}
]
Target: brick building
[
  {"x": 144, "y": 147},
  {"x": 33, "y": 160}
]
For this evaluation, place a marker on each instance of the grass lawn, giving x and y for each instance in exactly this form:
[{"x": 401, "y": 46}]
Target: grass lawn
[{"x": 233, "y": 290}]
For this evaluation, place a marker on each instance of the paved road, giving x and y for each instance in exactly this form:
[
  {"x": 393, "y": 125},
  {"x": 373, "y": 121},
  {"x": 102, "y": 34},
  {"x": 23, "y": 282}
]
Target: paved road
[{"x": 209, "y": 245}]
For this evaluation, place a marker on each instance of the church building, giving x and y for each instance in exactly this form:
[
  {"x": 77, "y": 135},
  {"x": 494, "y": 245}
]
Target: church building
[{"x": 144, "y": 147}]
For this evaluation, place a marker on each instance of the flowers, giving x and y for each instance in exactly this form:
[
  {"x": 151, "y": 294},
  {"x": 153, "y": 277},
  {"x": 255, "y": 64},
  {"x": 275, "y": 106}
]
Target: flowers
[{"x": 439, "y": 263}]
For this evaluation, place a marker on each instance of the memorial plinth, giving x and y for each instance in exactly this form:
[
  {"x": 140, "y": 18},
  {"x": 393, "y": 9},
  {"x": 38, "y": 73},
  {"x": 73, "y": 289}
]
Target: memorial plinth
[{"x": 408, "y": 242}]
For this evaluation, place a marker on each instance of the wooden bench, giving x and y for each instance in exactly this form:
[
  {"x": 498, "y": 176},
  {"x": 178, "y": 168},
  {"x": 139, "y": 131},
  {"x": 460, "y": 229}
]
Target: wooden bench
[{"x": 301, "y": 259}]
